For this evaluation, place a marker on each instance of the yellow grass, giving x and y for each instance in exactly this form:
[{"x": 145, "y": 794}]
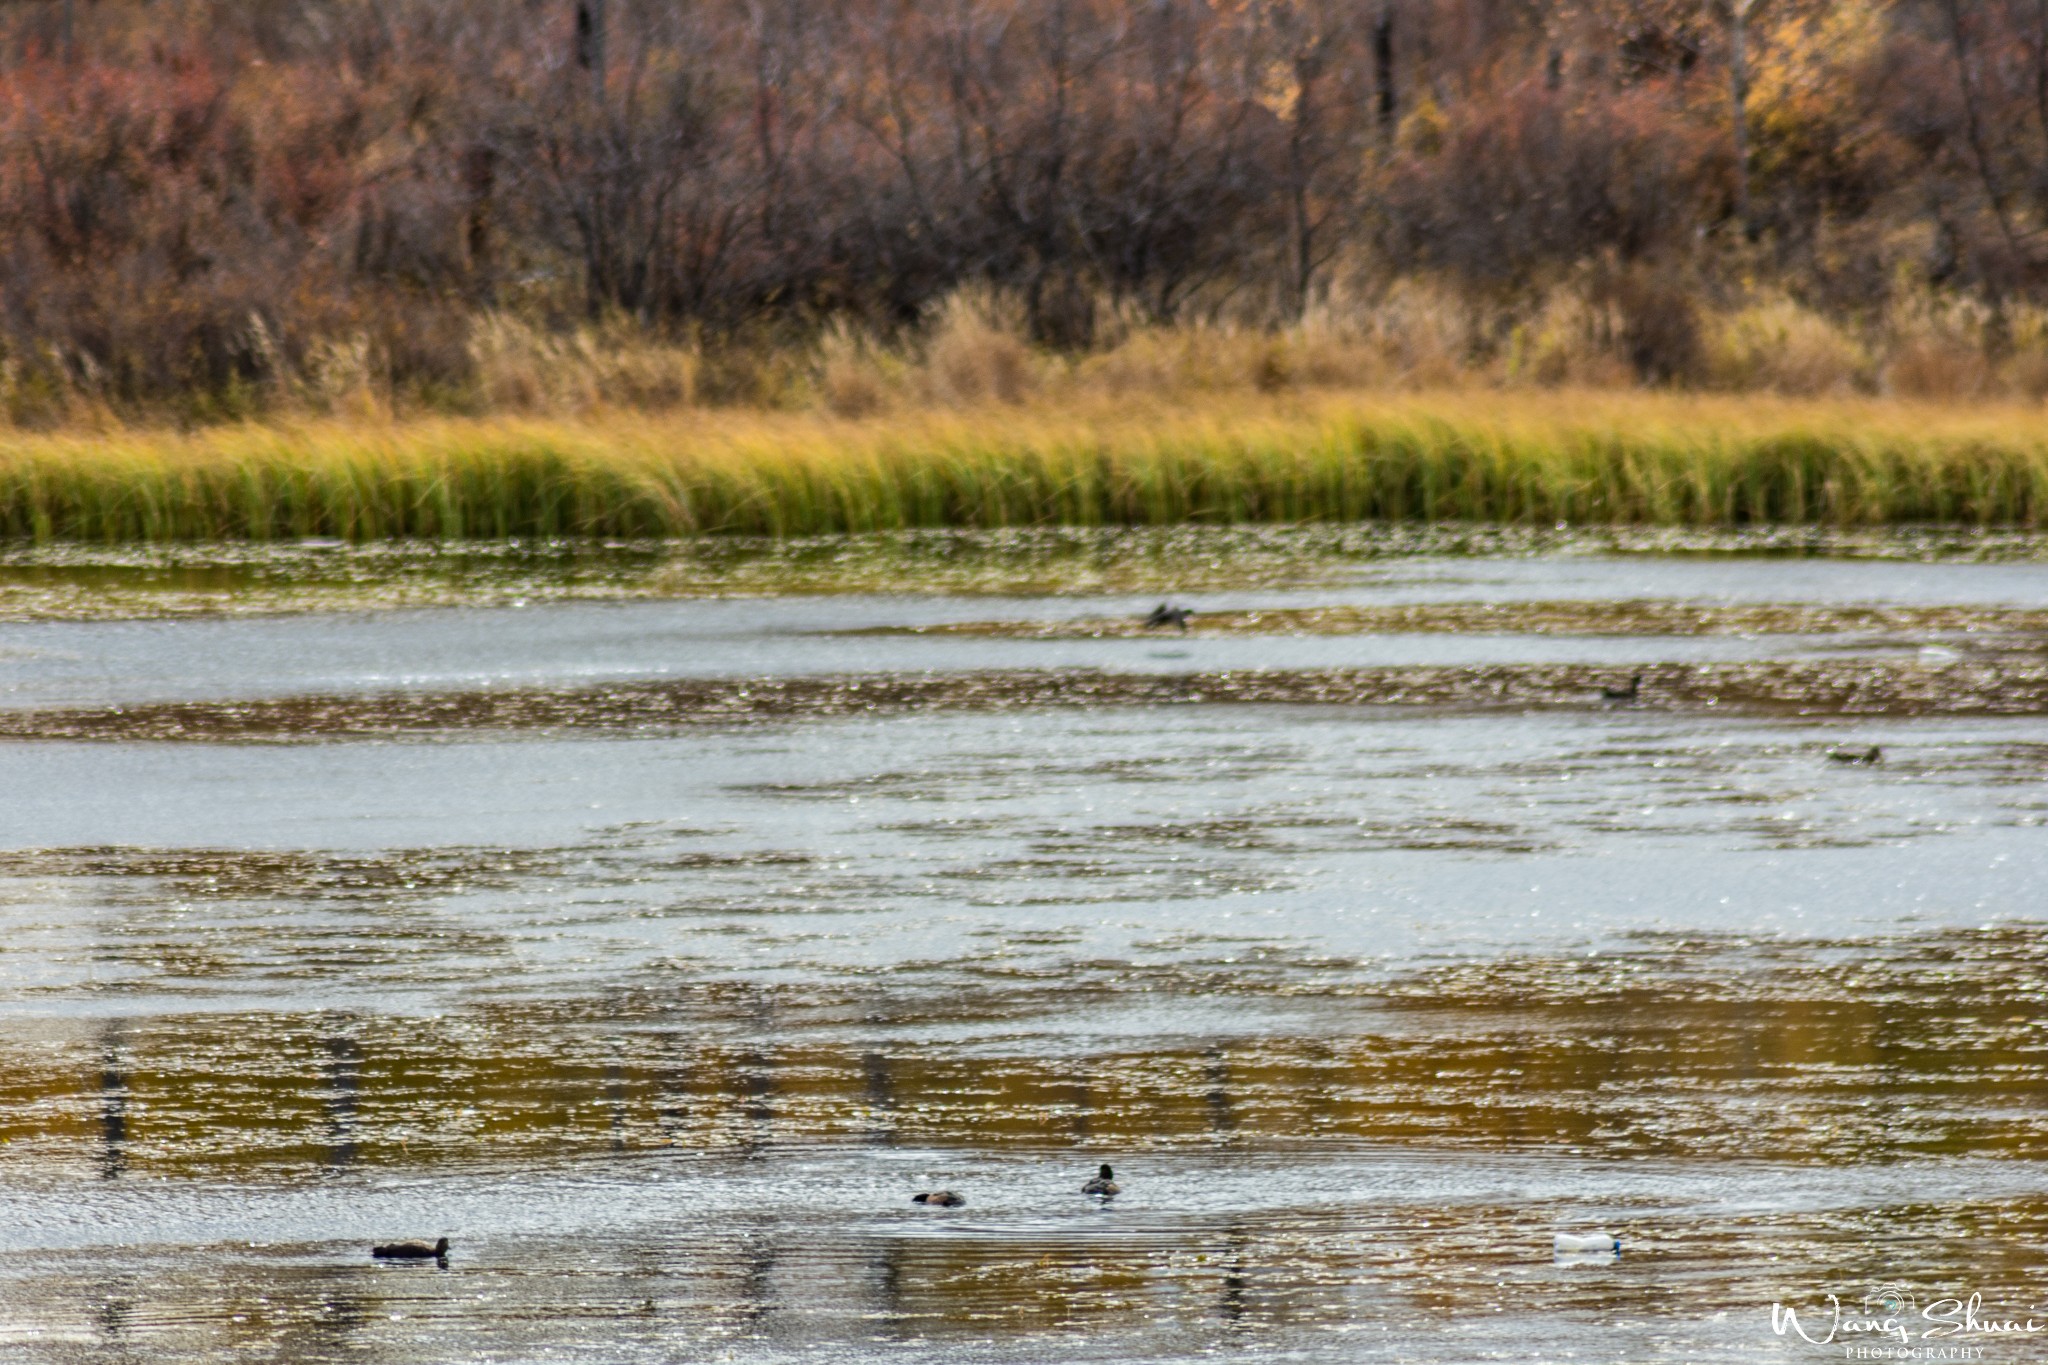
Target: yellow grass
[{"x": 1505, "y": 456}]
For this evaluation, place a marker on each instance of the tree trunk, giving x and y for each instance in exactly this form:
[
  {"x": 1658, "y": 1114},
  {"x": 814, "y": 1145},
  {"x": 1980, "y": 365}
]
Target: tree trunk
[
  {"x": 1383, "y": 72},
  {"x": 1300, "y": 169},
  {"x": 479, "y": 179},
  {"x": 1738, "y": 101},
  {"x": 2041, "y": 65},
  {"x": 590, "y": 36},
  {"x": 1987, "y": 170}
]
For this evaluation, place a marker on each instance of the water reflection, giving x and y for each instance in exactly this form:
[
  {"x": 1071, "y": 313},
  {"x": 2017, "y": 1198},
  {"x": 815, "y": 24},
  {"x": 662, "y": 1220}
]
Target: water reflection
[
  {"x": 1267, "y": 1246},
  {"x": 1222, "y": 1115},
  {"x": 113, "y": 1101},
  {"x": 1707, "y": 1047},
  {"x": 115, "y": 1312},
  {"x": 881, "y": 1096},
  {"x": 1234, "y": 1301},
  {"x": 344, "y": 1061},
  {"x": 1363, "y": 1002}
]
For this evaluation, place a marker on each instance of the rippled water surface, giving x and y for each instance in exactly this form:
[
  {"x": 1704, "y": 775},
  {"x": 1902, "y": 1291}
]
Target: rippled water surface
[{"x": 656, "y": 944}]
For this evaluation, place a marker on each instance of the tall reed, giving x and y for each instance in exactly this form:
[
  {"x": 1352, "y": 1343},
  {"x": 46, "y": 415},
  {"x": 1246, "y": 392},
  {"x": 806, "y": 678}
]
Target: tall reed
[{"x": 1507, "y": 457}]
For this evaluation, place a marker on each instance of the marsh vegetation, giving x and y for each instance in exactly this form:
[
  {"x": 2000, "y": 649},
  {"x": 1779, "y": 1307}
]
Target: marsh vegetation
[
  {"x": 555, "y": 269},
  {"x": 1512, "y": 458}
]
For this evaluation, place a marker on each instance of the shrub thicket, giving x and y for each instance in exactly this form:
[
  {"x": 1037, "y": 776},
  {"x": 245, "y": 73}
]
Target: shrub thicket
[{"x": 219, "y": 207}]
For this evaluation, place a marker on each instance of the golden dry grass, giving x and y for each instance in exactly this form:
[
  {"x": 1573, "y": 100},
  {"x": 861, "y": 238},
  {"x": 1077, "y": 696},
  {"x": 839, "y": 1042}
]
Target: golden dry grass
[{"x": 1505, "y": 456}]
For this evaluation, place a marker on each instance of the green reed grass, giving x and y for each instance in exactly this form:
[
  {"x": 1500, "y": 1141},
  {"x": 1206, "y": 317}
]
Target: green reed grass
[{"x": 1498, "y": 457}]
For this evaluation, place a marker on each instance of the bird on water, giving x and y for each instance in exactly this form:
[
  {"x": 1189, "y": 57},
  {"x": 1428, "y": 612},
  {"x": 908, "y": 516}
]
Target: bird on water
[
  {"x": 938, "y": 1199},
  {"x": 1871, "y": 755},
  {"x": 412, "y": 1251},
  {"x": 1103, "y": 1184},
  {"x": 1635, "y": 685},
  {"x": 1165, "y": 615}
]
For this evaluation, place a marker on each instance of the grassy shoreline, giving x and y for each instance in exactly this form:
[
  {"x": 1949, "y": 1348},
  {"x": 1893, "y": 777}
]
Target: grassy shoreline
[{"x": 1528, "y": 458}]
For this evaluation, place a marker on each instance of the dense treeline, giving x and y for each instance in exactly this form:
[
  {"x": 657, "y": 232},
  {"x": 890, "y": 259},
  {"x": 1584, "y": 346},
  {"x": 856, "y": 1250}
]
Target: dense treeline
[{"x": 203, "y": 197}]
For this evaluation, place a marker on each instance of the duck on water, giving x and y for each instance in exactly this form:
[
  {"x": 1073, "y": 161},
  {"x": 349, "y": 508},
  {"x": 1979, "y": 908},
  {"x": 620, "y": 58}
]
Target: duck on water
[
  {"x": 411, "y": 1251},
  {"x": 1635, "y": 685},
  {"x": 1587, "y": 1244},
  {"x": 1104, "y": 1183}
]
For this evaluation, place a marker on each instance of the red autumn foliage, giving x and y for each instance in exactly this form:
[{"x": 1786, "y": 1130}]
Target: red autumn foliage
[{"x": 195, "y": 194}]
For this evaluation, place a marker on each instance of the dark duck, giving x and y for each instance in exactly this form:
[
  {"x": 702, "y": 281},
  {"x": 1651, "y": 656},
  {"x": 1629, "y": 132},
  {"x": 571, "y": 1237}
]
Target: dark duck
[
  {"x": 1104, "y": 1183},
  {"x": 1635, "y": 685},
  {"x": 411, "y": 1251},
  {"x": 1164, "y": 615}
]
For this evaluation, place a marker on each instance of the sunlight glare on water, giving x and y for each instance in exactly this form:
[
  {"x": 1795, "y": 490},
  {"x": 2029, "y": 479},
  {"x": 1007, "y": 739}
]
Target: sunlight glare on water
[{"x": 663, "y": 1024}]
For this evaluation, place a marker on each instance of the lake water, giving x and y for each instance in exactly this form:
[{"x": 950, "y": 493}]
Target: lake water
[{"x": 656, "y": 946}]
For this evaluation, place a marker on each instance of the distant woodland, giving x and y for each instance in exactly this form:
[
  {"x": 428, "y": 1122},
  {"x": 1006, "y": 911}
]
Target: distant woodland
[{"x": 208, "y": 203}]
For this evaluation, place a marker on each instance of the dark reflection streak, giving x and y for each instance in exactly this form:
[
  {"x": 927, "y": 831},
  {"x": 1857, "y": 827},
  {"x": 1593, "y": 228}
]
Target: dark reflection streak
[
  {"x": 1234, "y": 1303},
  {"x": 881, "y": 1094},
  {"x": 1222, "y": 1114},
  {"x": 113, "y": 1102},
  {"x": 111, "y": 1317},
  {"x": 671, "y": 1083},
  {"x": 1322, "y": 1060},
  {"x": 344, "y": 1083},
  {"x": 759, "y": 1295},
  {"x": 757, "y": 1074},
  {"x": 757, "y": 1083},
  {"x": 1886, "y": 1048},
  {"x": 889, "y": 1262},
  {"x": 341, "y": 1317},
  {"x": 615, "y": 1102},
  {"x": 113, "y": 1314}
]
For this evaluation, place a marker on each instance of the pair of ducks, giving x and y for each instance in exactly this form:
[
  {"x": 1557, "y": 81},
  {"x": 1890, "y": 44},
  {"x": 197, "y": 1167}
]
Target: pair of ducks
[
  {"x": 1103, "y": 1186},
  {"x": 1873, "y": 754}
]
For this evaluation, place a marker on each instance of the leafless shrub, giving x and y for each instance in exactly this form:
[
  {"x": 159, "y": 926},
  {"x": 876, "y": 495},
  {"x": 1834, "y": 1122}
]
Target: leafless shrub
[
  {"x": 209, "y": 207},
  {"x": 1937, "y": 348}
]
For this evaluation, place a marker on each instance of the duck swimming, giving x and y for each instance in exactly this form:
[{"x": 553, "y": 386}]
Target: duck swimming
[
  {"x": 412, "y": 1251},
  {"x": 1628, "y": 693},
  {"x": 1103, "y": 1184},
  {"x": 1580, "y": 1244},
  {"x": 938, "y": 1199},
  {"x": 1871, "y": 755}
]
